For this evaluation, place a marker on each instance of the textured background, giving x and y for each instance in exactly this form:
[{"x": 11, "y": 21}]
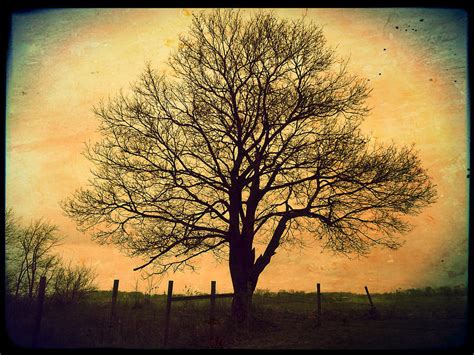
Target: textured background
[{"x": 62, "y": 62}]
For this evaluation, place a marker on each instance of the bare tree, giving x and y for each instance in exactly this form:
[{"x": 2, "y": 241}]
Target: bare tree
[
  {"x": 12, "y": 230},
  {"x": 254, "y": 138},
  {"x": 152, "y": 283},
  {"x": 11, "y": 226},
  {"x": 30, "y": 255},
  {"x": 70, "y": 283}
]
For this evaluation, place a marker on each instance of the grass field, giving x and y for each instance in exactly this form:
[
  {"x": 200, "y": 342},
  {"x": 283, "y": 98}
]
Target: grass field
[{"x": 413, "y": 319}]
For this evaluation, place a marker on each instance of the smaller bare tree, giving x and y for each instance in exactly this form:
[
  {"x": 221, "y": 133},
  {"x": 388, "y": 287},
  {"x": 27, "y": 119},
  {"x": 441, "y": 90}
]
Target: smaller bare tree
[
  {"x": 30, "y": 254},
  {"x": 70, "y": 283},
  {"x": 12, "y": 229},
  {"x": 152, "y": 283}
]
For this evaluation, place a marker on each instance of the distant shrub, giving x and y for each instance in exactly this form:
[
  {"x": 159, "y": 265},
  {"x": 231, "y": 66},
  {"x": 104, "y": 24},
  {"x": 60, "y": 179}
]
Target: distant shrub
[
  {"x": 458, "y": 290},
  {"x": 290, "y": 292},
  {"x": 70, "y": 283},
  {"x": 263, "y": 292},
  {"x": 452, "y": 291}
]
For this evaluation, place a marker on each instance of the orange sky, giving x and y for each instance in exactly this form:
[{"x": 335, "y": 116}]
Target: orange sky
[{"x": 62, "y": 62}]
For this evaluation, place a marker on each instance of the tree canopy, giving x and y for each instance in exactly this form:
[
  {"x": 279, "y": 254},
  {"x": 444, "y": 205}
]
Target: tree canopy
[{"x": 254, "y": 135}]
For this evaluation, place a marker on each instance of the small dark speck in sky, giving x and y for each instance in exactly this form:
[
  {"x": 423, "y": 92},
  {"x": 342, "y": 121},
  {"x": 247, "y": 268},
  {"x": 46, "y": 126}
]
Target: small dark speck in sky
[
  {"x": 380, "y": 73},
  {"x": 385, "y": 49},
  {"x": 421, "y": 20}
]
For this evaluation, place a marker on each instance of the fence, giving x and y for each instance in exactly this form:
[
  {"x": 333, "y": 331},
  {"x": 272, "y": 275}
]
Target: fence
[
  {"x": 212, "y": 297},
  {"x": 169, "y": 300}
]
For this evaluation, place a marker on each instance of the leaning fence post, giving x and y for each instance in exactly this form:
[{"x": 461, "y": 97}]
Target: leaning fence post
[
  {"x": 318, "y": 319},
  {"x": 114, "y": 299},
  {"x": 373, "y": 314},
  {"x": 168, "y": 312},
  {"x": 39, "y": 310},
  {"x": 212, "y": 312},
  {"x": 370, "y": 298}
]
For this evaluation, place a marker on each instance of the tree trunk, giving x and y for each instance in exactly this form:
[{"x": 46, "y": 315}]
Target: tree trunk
[
  {"x": 18, "y": 283},
  {"x": 241, "y": 260},
  {"x": 242, "y": 302},
  {"x": 31, "y": 285}
]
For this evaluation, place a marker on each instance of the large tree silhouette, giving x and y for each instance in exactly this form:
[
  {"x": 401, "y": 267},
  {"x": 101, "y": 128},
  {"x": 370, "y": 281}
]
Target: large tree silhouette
[{"x": 253, "y": 137}]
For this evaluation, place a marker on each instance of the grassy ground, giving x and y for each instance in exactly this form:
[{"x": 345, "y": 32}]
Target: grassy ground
[{"x": 405, "y": 320}]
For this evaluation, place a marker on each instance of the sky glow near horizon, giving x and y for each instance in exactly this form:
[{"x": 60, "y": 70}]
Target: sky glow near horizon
[{"x": 62, "y": 62}]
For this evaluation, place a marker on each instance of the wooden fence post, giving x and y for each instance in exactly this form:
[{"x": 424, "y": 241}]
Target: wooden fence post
[
  {"x": 212, "y": 312},
  {"x": 39, "y": 310},
  {"x": 114, "y": 299},
  {"x": 370, "y": 298},
  {"x": 168, "y": 312},
  {"x": 318, "y": 289},
  {"x": 109, "y": 325},
  {"x": 373, "y": 313}
]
